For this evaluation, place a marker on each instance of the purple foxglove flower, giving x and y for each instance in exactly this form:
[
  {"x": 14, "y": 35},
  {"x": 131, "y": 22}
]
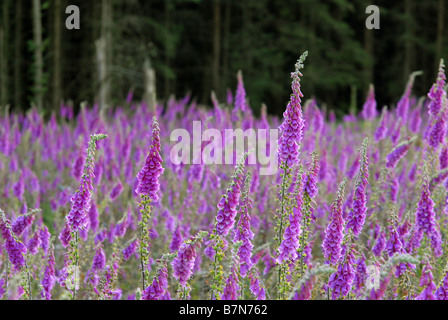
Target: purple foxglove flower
[
  {"x": 176, "y": 240},
  {"x": 291, "y": 129},
  {"x": 398, "y": 152},
  {"x": 361, "y": 275},
  {"x": 49, "y": 277},
  {"x": 394, "y": 186},
  {"x": 45, "y": 235},
  {"x": 99, "y": 260},
  {"x": 437, "y": 94},
  {"x": 356, "y": 217},
  {"x": 311, "y": 177},
  {"x": 130, "y": 249},
  {"x": 229, "y": 97},
  {"x": 93, "y": 217},
  {"x": 158, "y": 287},
  {"x": 380, "y": 245},
  {"x": 369, "y": 108},
  {"x": 120, "y": 227},
  {"x": 225, "y": 218},
  {"x": 334, "y": 233},
  {"x": 426, "y": 281},
  {"x": 152, "y": 169},
  {"x": 381, "y": 131},
  {"x": 65, "y": 236},
  {"x": 442, "y": 292},
  {"x": 19, "y": 187},
  {"x": 116, "y": 191},
  {"x": 438, "y": 179},
  {"x": 341, "y": 281},
  {"x": 290, "y": 243},
  {"x": 243, "y": 232},
  {"x": 256, "y": 288},
  {"x": 34, "y": 243},
  {"x": 184, "y": 262},
  {"x": 21, "y": 223},
  {"x": 231, "y": 289},
  {"x": 379, "y": 294},
  {"x": 77, "y": 217},
  {"x": 425, "y": 217},
  {"x": 416, "y": 120},
  {"x": 15, "y": 249},
  {"x": 443, "y": 157},
  {"x": 77, "y": 167},
  {"x": 396, "y": 132},
  {"x": 404, "y": 103}
]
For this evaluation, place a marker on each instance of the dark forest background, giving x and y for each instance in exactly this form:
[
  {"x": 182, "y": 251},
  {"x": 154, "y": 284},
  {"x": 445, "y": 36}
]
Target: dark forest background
[{"x": 198, "y": 46}]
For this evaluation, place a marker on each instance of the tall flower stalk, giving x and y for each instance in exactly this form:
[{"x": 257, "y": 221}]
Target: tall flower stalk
[
  {"x": 357, "y": 215},
  {"x": 225, "y": 219},
  {"x": 77, "y": 218}
]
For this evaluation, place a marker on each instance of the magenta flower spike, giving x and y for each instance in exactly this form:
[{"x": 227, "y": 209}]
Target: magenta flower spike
[
  {"x": 369, "y": 108},
  {"x": 148, "y": 176},
  {"x": 334, "y": 233},
  {"x": 291, "y": 129},
  {"x": 77, "y": 217},
  {"x": 15, "y": 249},
  {"x": 357, "y": 216},
  {"x": 398, "y": 152},
  {"x": 243, "y": 232}
]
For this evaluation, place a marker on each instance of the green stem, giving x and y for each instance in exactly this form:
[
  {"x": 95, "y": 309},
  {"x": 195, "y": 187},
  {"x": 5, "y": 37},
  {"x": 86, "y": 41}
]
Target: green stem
[
  {"x": 280, "y": 232},
  {"x": 76, "y": 265}
]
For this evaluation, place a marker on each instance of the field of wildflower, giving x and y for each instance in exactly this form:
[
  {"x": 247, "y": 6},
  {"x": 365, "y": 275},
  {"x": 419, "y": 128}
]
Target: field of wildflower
[{"x": 92, "y": 206}]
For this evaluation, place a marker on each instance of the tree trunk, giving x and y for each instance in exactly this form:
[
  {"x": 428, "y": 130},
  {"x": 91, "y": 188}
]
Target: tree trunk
[
  {"x": 408, "y": 46},
  {"x": 4, "y": 44},
  {"x": 440, "y": 22},
  {"x": 149, "y": 95},
  {"x": 103, "y": 50},
  {"x": 226, "y": 45},
  {"x": 57, "y": 95},
  {"x": 18, "y": 56},
  {"x": 38, "y": 75},
  {"x": 216, "y": 45},
  {"x": 368, "y": 47}
]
